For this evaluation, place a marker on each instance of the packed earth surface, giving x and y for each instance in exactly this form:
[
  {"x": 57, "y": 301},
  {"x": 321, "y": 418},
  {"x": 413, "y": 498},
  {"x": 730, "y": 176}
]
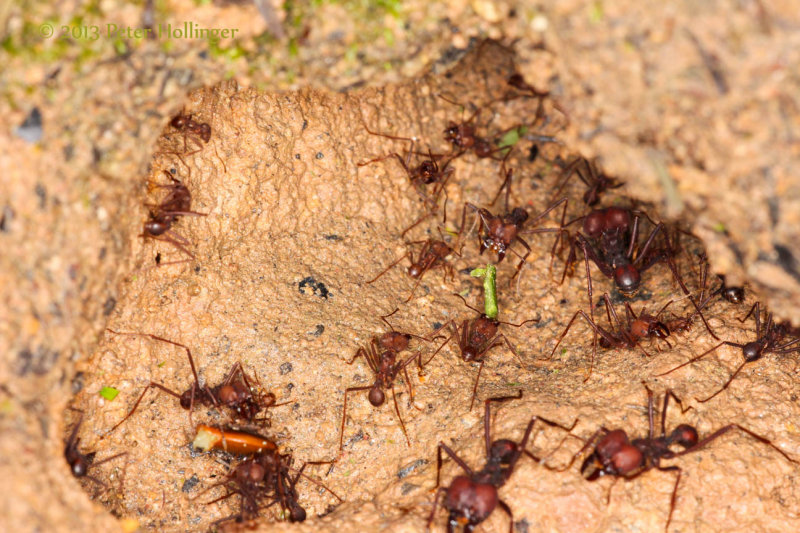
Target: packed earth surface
[{"x": 298, "y": 204}]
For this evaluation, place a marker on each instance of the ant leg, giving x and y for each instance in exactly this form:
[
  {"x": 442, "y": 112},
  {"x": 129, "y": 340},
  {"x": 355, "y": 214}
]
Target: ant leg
[
  {"x": 487, "y": 416},
  {"x": 384, "y": 271},
  {"x": 755, "y": 307},
  {"x": 721, "y": 431},
  {"x": 726, "y": 383},
  {"x": 442, "y": 446},
  {"x": 439, "y": 492},
  {"x": 497, "y": 342},
  {"x": 674, "y": 496},
  {"x": 504, "y": 506},
  {"x": 399, "y": 417},
  {"x": 475, "y": 387},
  {"x": 610, "y": 488},
  {"x": 522, "y": 259},
  {"x": 344, "y": 413},
  {"x": 588, "y": 443},
  {"x": 448, "y": 339},
  {"x": 677, "y": 276},
  {"x": 152, "y": 384},
  {"x": 692, "y": 360}
]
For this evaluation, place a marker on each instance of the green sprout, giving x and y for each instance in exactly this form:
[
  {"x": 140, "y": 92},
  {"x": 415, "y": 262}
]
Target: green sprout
[
  {"x": 109, "y": 393},
  {"x": 489, "y": 275}
]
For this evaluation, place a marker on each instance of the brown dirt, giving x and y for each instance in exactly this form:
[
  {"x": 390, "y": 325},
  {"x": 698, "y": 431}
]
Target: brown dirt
[{"x": 75, "y": 265}]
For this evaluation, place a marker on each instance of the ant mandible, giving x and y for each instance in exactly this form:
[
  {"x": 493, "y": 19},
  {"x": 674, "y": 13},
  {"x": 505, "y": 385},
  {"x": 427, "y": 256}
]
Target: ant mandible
[
  {"x": 615, "y": 454},
  {"x": 471, "y": 498},
  {"x": 768, "y": 340}
]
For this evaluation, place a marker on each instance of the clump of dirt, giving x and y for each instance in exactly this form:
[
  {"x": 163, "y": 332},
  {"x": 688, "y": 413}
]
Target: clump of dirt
[{"x": 294, "y": 228}]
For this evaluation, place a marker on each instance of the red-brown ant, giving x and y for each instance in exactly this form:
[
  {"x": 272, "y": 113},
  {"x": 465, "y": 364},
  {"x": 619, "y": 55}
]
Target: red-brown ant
[
  {"x": 432, "y": 255},
  {"x": 197, "y": 131},
  {"x": 617, "y": 252},
  {"x": 382, "y": 357},
  {"x": 464, "y": 138},
  {"x": 616, "y": 455},
  {"x": 475, "y": 339},
  {"x": 731, "y": 294},
  {"x": 597, "y": 183},
  {"x": 471, "y": 498},
  {"x": 427, "y": 172},
  {"x": 79, "y": 463},
  {"x": 265, "y": 480},
  {"x": 626, "y": 336},
  {"x": 498, "y": 232},
  {"x": 177, "y": 203},
  {"x": 235, "y": 391},
  {"x": 768, "y": 340}
]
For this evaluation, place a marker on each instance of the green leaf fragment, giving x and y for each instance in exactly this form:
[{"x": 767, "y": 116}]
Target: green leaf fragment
[
  {"x": 109, "y": 393},
  {"x": 489, "y": 275},
  {"x": 512, "y": 137}
]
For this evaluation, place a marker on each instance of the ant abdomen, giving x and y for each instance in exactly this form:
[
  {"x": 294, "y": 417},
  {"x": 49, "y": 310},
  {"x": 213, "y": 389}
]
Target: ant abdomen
[{"x": 376, "y": 397}]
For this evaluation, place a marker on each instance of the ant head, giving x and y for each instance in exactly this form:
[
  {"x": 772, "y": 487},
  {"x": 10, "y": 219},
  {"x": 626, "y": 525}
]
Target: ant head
[
  {"x": 180, "y": 120},
  {"x": 469, "y": 353},
  {"x": 155, "y": 227},
  {"x": 394, "y": 341},
  {"x": 627, "y": 278},
  {"x": 470, "y": 503},
  {"x": 205, "y": 132},
  {"x": 734, "y": 295},
  {"x": 296, "y": 513},
  {"x": 516, "y": 80},
  {"x": 186, "y": 398},
  {"x": 428, "y": 171},
  {"x": 752, "y": 350},
  {"x": 639, "y": 328},
  {"x": 594, "y": 223},
  {"x": 376, "y": 396},
  {"x": 626, "y": 460},
  {"x": 517, "y": 216},
  {"x": 452, "y": 132},
  {"x": 617, "y": 218},
  {"x": 503, "y": 451},
  {"x": 685, "y": 435}
]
